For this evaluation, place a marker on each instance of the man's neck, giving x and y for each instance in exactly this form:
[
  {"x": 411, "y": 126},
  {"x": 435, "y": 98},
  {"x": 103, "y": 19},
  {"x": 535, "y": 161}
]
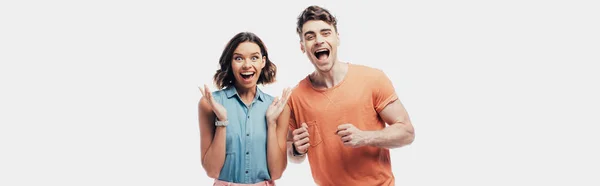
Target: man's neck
[{"x": 331, "y": 78}]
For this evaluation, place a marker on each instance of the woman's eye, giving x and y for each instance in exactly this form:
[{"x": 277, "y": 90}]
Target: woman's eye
[{"x": 254, "y": 58}]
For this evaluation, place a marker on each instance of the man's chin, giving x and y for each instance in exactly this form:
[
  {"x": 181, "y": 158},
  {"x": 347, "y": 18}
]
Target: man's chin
[
  {"x": 324, "y": 67},
  {"x": 324, "y": 64}
]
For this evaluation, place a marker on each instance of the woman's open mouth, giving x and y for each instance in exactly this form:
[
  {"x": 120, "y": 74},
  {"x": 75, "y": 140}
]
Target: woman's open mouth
[{"x": 247, "y": 75}]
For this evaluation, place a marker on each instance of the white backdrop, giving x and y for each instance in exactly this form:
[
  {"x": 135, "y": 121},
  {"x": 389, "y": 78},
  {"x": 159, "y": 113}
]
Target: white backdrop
[{"x": 105, "y": 92}]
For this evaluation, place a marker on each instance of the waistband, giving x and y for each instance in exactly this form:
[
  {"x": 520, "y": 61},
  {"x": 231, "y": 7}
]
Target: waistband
[{"x": 262, "y": 183}]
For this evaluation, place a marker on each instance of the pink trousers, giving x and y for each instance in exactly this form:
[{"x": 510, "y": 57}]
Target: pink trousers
[{"x": 224, "y": 183}]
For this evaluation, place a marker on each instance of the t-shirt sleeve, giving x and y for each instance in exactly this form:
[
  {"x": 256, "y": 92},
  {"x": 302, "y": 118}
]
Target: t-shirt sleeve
[
  {"x": 383, "y": 91},
  {"x": 292, "y": 123}
]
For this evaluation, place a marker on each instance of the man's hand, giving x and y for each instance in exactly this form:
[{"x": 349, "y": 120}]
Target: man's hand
[
  {"x": 301, "y": 141},
  {"x": 351, "y": 136}
]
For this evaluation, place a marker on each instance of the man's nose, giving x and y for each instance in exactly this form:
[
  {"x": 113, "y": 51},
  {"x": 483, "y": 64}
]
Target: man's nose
[{"x": 320, "y": 40}]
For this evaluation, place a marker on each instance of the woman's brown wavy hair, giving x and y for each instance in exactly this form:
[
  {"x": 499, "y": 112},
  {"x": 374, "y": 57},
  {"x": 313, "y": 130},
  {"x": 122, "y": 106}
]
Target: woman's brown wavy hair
[{"x": 224, "y": 76}]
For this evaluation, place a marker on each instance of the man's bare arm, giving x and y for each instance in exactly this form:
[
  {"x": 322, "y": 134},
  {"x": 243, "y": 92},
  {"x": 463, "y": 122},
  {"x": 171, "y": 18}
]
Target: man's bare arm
[{"x": 398, "y": 134}]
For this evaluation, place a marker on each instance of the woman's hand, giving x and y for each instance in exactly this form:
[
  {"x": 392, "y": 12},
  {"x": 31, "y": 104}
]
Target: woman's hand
[
  {"x": 217, "y": 108},
  {"x": 277, "y": 106}
]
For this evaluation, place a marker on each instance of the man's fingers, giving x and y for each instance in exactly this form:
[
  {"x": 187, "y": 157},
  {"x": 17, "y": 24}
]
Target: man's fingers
[
  {"x": 297, "y": 131},
  {"x": 301, "y": 142},
  {"x": 300, "y": 136},
  {"x": 303, "y": 148},
  {"x": 304, "y": 125},
  {"x": 347, "y": 138},
  {"x": 300, "y": 131},
  {"x": 343, "y": 133},
  {"x": 344, "y": 126}
]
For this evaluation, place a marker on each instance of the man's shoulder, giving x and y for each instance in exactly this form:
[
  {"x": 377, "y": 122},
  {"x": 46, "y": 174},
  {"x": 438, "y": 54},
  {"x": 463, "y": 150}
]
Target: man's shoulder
[
  {"x": 300, "y": 91},
  {"x": 300, "y": 87},
  {"x": 366, "y": 72}
]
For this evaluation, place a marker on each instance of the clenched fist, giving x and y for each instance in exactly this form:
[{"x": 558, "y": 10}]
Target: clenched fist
[
  {"x": 351, "y": 136},
  {"x": 301, "y": 141}
]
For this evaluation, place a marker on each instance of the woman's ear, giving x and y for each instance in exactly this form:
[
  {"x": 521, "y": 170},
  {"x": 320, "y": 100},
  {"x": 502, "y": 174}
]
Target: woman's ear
[{"x": 264, "y": 63}]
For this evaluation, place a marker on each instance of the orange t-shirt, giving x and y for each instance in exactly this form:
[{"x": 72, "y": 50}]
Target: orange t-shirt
[{"x": 358, "y": 99}]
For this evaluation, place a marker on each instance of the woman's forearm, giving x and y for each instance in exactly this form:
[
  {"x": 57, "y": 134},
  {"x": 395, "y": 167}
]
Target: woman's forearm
[
  {"x": 276, "y": 157},
  {"x": 213, "y": 159}
]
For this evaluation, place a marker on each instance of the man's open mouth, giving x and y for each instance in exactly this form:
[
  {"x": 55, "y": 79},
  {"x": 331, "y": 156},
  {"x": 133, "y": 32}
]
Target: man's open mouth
[{"x": 322, "y": 54}]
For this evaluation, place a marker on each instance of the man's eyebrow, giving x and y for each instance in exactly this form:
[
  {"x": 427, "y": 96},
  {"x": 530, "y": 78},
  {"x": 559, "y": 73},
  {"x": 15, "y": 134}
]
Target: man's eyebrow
[
  {"x": 322, "y": 30},
  {"x": 309, "y": 32}
]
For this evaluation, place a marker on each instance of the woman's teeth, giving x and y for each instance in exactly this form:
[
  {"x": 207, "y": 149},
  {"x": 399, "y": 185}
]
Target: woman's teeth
[{"x": 247, "y": 75}]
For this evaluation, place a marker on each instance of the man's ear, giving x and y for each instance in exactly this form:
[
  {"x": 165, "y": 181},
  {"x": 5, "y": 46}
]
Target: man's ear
[
  {"x": 338, "y": 37},
  {"x": 302, "y": 47}
]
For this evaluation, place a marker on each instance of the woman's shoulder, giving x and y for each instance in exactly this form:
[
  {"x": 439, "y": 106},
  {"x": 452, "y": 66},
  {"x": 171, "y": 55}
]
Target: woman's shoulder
[
  {"x": 267, "y": 97},
  {"x": 219, "y": 93}
]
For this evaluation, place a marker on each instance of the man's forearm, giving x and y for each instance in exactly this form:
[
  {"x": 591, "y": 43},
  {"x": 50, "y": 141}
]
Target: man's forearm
[{"x": 393, "y": 136}]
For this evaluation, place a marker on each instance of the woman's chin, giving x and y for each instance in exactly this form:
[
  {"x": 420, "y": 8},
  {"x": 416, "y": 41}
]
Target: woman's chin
[{"x": 246, "y": 85}]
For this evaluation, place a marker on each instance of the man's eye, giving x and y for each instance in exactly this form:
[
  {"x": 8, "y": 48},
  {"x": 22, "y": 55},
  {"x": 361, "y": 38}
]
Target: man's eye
[
  {"x": 309, "y": 37},
  {"x": 326, "y": 34}
]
